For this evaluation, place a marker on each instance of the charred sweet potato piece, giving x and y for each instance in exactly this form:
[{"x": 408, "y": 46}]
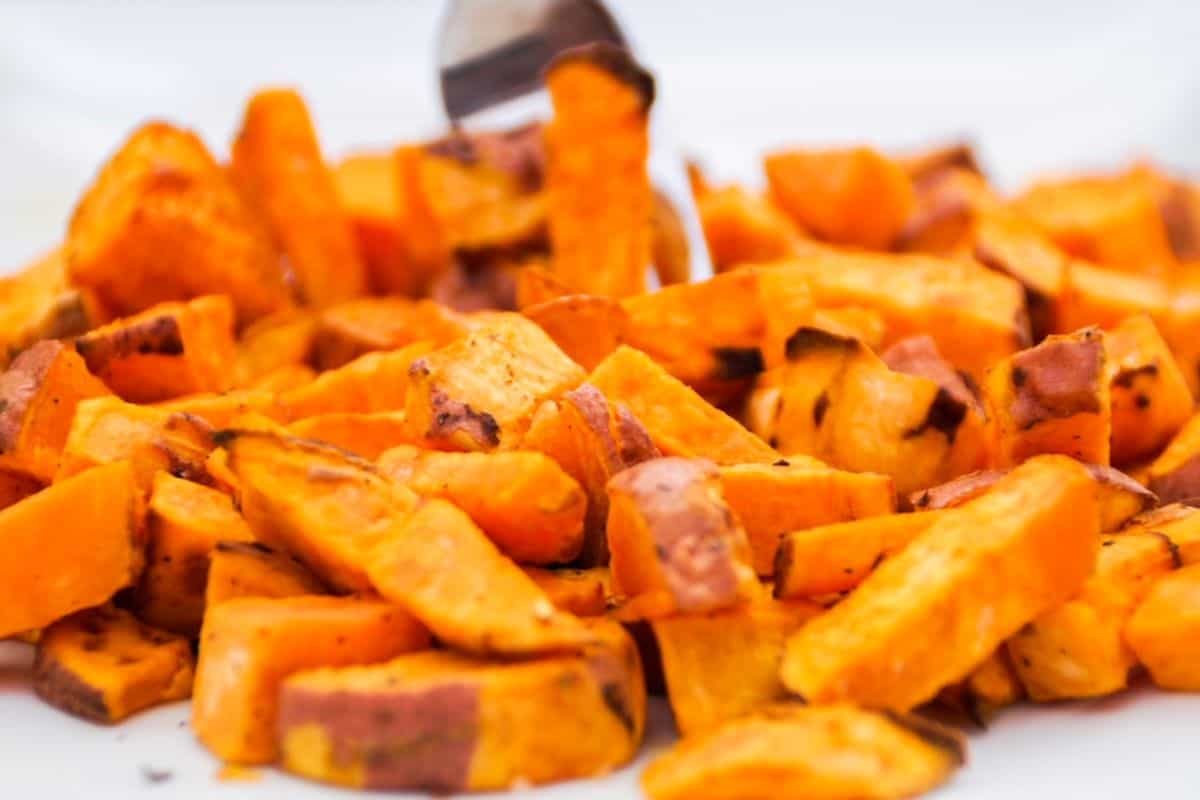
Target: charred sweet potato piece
[
  {"x": 725, "y": 664},
  {"x": 480, "y": 392},
  {"x": 163, "y": 222},
  {"x": 773, "y": 499},
  {"x": 38, "y": 303},
  {"x": 277, "y": 164},
  {"x": 1150, "y": 396},
  {"x": 284, "y": 339},
  {"x": 242, "y": 568},
  {"x": 184, "y": 522},
  {"x": 1175, "y": 475},
  {"x": 368, "y": 194},
  {"x": 321, "y": 504},
  {"x": 40, "y": 391},
  {"x": 166, "y": 351},
  {"x": 366, "y": 435},
  {"x": 586, "y": 328},
  {"x": 1093, "y": 295},
  {"x": 443, "y": 722},
  {"x": 798, "y": 751},
  {"x": 250, "y": 645},
  {"x": 1052, "y": 398},
  {"x": 526, "y": 504},
  {"x": 836, "y": 558},
  {"x": 676, "y": 546},
  {"x": 599, "y": 196},
  {"x": 1165, "y": 629},
  {"x": 854, "y": 197},
  {"x": 349, "y": 330},
  {"x": 1039, "y": 524},
  {"x": 220, "y": 409},
  {"x": 103, "y": 664},
  {"x": 51, "y": 569},
  {"x": 1078, "y": 649},
  {"x": 371, "y": 383},
  {"x": 582, "y": 592},
  {"x": 743, "y": 228}
]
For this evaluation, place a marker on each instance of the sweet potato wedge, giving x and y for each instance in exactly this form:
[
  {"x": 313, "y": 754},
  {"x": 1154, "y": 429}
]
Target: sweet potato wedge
[
  {"x": 442, "y": 722},
  {"x": 1163, "y": 631},
  {"x": 169, "y": 350},
  {"x": 351, "y": 329},
  {"x": 743, "y": 228},
  {"x": 1151, "y": 400},
  {"x": 51, "y": 569},
  {"x": 40, "y": 391},
  {"x": 426, "y": 250},
  {"x": 162, "y": 222},
  {"x": 38, "y": 302},
  {"x": 250, "y": 645},
  {"x": 283, "y": 339},
  {"x": 725, "y": 664},
  {"x": 1175, "y": 475},
  {"x": 184, "y": 522},
  {"x": 371, "y": 383},
  {"x": 990, "y": 688},
  {"x": 102, "y": 664},
  {"x": 276, "y": 164},
  {"x": 582, "y": 592},
  {"x": 675, "y": 544},
  {"x": 241, "y": 568},
  {"x": 669, "y": 249},
  {"x": 797, "y": 751},
  {"x": 1040, "y": 525},
  {"x": 587, "y": 328},
  {"x": 369, "y": 198},
  {"x": 1093, "y": 295},
  {"x": 525, "y": 503},
  {"x": 599, "y": 196}
]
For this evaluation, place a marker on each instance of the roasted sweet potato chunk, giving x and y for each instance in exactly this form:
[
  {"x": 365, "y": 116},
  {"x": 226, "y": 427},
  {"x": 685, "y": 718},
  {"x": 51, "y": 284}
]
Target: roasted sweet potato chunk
[
  {"x": 1175, "y": 475},
  {"x": 1040, "y": 525},
  {"x": 949, "y": 201},
  {"x": 369, "y": 198},
  {"x": 582, "y": 592},
  {"x": 103, "y": 664},
  {"x": 366, "y": 435},
  {"x": 166, "y": 351},
  {"x": 283, "y": 339},
  {"x": 277, "y": 164},
  {"x": 242, "y": 568},
  {"x": 51, "y": 569},
  {"x": 371, "y": 383},
  {"x": 250, "y": 645},
  {"x": 599, "y": 194},
  {"x": 742, "y": 228},
  {"x": 836, "y": 752},
  {"x": 220, "y": 409},
  {"x": 1165, "y": 629},
  {"x": 1009, "y": 243},
  {"x": 1106, "y": 297},
  {"x": 40, "y": 303},
  {"x": 442, "y": 722},
  {"x": 349, "y": 330},
  {"x": 587, "y": 328}
]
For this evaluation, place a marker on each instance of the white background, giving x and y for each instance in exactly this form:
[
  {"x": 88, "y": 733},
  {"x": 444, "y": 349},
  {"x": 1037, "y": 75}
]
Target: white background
[{"x": 1037, "y": 85}]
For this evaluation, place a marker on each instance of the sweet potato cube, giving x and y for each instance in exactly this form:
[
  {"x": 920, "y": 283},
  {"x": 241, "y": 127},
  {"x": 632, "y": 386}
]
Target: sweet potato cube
[
  {"x": 1165, "y": 629},
  {"x": 351, "y": 329},
  {"x": 1175, "y": 475},
  {"x": 949, "y": 202},
  {"x": 676, "y": 546},
  {"x": 1094, "y": 295},
  {"x": 283, "y": 339},
  {"x": 371, "y": 383},
  {"x": 51, "y": 569},
  {"x": 1034, "y": 536},
  {"x": 1009, "y": 243},
  {"x": 582, "y": 592},
  {"x": 40, "y": 390},
  {"x": 599, "y": 196},
  {"x": 39, "y": 302},
  {"x": 445, "y": 723},
  {"x": 1181, "y": 326},
  {"x": 169, "y": 350},
  {"x": 1052, "y": 398},
  {"x": 801, "y": 751},
  {"x": 252, "y": 569},
  {"x": 249, "y": 646},
  {"x": 103, "y": 664},
  {"x": 1150, "y": 396},
  {"x": 163, "y": 222},
  {"x": 277, "y": 164},
  {"x": 744, "y": 228},
  {"x": 585, "y": 327}
]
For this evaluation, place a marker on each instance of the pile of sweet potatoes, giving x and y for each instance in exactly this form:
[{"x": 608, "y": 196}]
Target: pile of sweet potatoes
[{"x": 403, "y": 472}]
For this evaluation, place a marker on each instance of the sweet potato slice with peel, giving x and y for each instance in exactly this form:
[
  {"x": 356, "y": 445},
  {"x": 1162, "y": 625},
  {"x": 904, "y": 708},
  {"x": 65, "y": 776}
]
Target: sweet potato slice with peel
[
  {"x": 366, "y": 435},
  {"x": 526, "y": 504},
  {"x": 277, "y": 164},
  {"x": 51, "y": 569},
  {"x": 40, "y": 391},
  {"x": 1094, "y": 295},
  {"x": 1175, "y": 475},
  {"x": 480, "y": 392},
  {"x": 1165, "y": 629},
  {"x": 582, "y": 592},
  {"x": 443, "y": 722},
  {"x": 599, "y": 196},
  {"x": 103, "y": 664},
  {"x": 743, "y": 228},
  {"x": 797, "y": 751},
  {"x": 836, "y": 558},
  {"x": 675, "y": 544},
  {"x": 166, "y": 351},
  {"x": 1052, "y": 398},
  {"x": 1039, "y": 526},
  {"x": 163, "y": 222},
  {"x": 250, "y": 645},
  {"x": 321, "y": 504},
  {"x": 348, "y": 330},
  {"x": 184, "y": 522},
  {"x": 725, "y": 664},
  {"x": 371, "y": 383},
  {"x": 242, "y": 568},
  {"x": 773, "y": 499},
  {"x": 1150, "y": 396},
  {"x": 39, "y": 302},
  {"x": 447, "y": 573}
]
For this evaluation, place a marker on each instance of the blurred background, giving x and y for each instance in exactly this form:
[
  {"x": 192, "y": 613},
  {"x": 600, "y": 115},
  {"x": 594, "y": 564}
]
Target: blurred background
[{"x": 1037, "y": 85}]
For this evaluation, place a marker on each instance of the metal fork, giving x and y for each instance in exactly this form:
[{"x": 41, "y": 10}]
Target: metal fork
[{"x": 491, "y": 55}]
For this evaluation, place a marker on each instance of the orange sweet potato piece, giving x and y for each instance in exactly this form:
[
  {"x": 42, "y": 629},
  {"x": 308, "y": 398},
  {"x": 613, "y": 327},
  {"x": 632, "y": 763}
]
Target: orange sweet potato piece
[
  {"x": 284, "y": 339},
  {"x": 277, "y": 164},
  {"x": 103, "y": 665},
  {"x": 348, "y": 330},
  {"x": 252, "y": 569},
  {"x": 371, "y": 383},
  {"x": 15, "y": 487},
  {"x": 991, "y": 687},
  {"x": 1093, "y": 295},
  {"x": 1052, "y": 398},
  {"x": 366, "y": 435},
  {"x": 599, "y": 196},
  {"x": 669, "y": 249},
  {"x": 1175, "y": 475},
  {"x": 676, "y": 546},
  {"x": 50, "y": 569},
  {"x": 369, "y": 197},
  {"x": 284, "y": 379},
  {"x": 525, "y": 502},
  {"x": 1150, "y": 396},
  {"x": 426, "y": 251},
  {"x": 38, "y": 302},
  {"x": 586, "y": 328},
  {"x": 854, "y": 197},
  {"x": 582, "y": 592},
  {"x": 220, "y": 409},
  {"x": 975, "y": 577},
  {"x": 40, "y": 391},
  {"x": 250, "y": 645},
  {"x": 184, "y": 522},
  {"x": 1181, "y": 326},
  {"x": 949, "y": 200},
  {"x": 743, "y": 228},
  {"x": 1164, "y": 630},
  {"x": 163, "y": 222},
  {"x": 1009, "y": 243},
  {"x": 537, "y": 285}
]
